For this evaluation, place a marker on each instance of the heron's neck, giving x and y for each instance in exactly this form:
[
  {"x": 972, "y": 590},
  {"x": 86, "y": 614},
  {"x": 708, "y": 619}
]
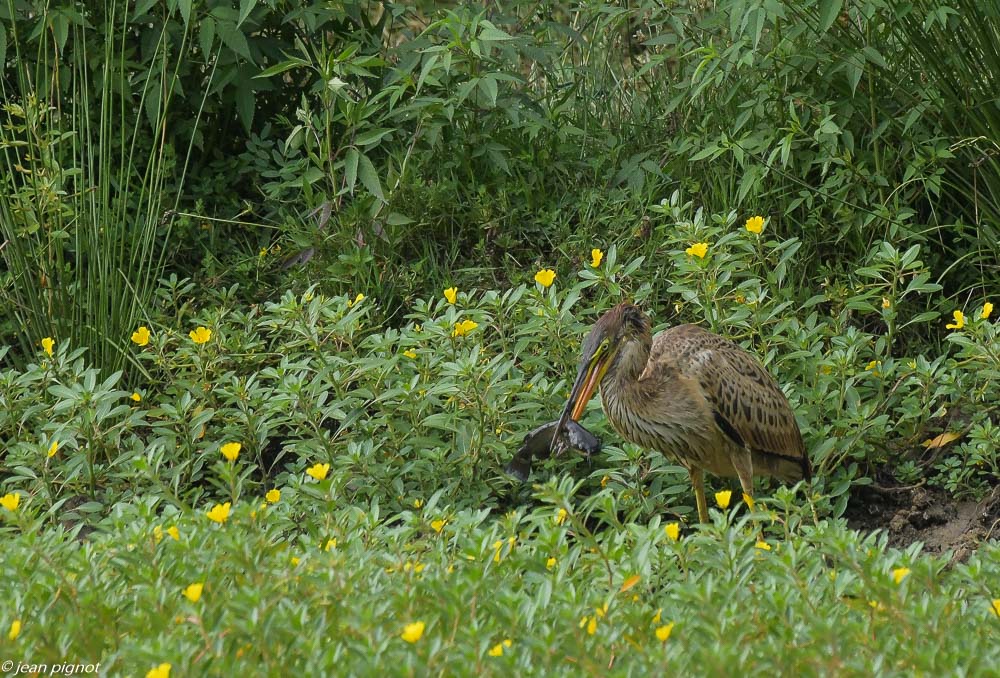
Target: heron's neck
[{"x": 628, "y": 365}]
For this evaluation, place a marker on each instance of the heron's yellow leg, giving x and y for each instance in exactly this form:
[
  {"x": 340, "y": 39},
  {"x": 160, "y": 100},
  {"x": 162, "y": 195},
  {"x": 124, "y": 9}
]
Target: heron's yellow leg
[{"x": 698, "y": 482}]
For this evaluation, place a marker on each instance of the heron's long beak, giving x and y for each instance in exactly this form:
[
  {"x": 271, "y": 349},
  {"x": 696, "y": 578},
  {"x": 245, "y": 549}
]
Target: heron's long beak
[{"x": 587, "y": 378}]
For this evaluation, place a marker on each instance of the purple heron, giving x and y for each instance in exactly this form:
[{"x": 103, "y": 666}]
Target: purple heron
[{"x": 691, "y": 395}]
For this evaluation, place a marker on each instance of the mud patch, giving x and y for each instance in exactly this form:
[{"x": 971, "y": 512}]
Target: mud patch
[{"x": 927, "y": 515}]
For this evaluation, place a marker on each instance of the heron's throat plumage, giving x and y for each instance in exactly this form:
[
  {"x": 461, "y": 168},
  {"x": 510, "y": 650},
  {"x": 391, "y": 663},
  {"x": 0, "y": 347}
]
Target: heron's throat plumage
[{"x": 626, "y": 367}]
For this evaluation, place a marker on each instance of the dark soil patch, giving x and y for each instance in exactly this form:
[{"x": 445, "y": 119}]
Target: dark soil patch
[{"x": 929, "y": 515}]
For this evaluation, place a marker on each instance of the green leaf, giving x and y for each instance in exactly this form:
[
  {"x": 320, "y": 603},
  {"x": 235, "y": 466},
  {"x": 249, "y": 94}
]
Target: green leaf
[
  {"x": 372, "y": 136},
  {"x": 185, "y": 8},
  {"x": 142, "y": 8},
  {"x": 829, "y": 10},
  {"x": 246, "y": 6},
  {"x": 490, "y": 33},
  {"x": 234, "y": 39},
  {"x": 246, "y": 103},
  {"x": 281, "y": 67},
  {"x": 351, "y": 169},
  {"x": 369, "y": 177},
  {"x": 206, "y": 36},
  {"x": 3, "y": 44},
  {"x": 489, "y": 87}
]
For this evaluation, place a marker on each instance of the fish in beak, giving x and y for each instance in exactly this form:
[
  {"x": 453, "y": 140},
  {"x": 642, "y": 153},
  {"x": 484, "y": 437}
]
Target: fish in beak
[{"x": 592, "y": 369}]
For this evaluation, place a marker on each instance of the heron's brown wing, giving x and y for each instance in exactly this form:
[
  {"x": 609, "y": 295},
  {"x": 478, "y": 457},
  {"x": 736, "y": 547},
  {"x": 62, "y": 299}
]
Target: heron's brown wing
[{"x": 747, "y": 404}]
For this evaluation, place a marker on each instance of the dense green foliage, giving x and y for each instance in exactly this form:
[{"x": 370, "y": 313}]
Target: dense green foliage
[{"x": 234, "y": 224}]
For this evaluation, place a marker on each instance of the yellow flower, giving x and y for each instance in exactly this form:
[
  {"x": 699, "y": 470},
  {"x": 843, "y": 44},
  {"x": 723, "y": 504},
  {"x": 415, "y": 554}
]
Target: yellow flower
[
  {"x": 220, "y": 512},
  {"x": 673, "y": 531},
  {"x": 545, "y": 277},
  {"x": 273, "y": 496},
  {"x": 10, "y": 501},
  {"x": 295, "y": 560},
  {"x": 987, "y": 309},
  {"x": 231, "y": 450},
  {"x": 663, "y": 632},
  {"x": 550, "y": 563},
  {"x": 995, "y": 607},
  {"x": 438, "y": 525},
  {"x": 193, "y": 592},
  {"x": 331, "y": 544},
  {"x": 410, "y": 353},
  {"x": 656, "y": 617},
  {"x": 755, "y": 224},
  {"x": 418, "y": 503},
  {"x": 463, "y": 327},
  {"x": 174, "y": 532},
  {"x": 158, "y": 534},
  {"x": 53, "y": 448},
  {"x": 451, "y": 294},
  {"x": 412, "y": 632},
  {"x": 763, "y": 545},
  {"x": 604, "y": 481},
  {"x": 596, "y": 256},
  {"x": 357, "y": 299},
  {"x": 318, "y": 471},
  {"x": 722, "y": 498},
  {"x": 136, "y": 397},
  {"x": 886, "y": 303},
  {"x": 900, "y": 573},
  {"x": 873, "y": 367},
  {"x": 200, "y": 335},
  {"x": 592, "y": 626},
  {"x": 561, "y": 516},
  {"x": 496, "y": 650},
  {"x": 15, "y": 630},
  {"x": 161, "y": 671},
  {"x": 748, "y": 500},
  {"x": 141, "y": 336},
  {"x": 699, "y": 249},
  {"x": 959, "y": 321},
  {"x": 47, "y": 345}
]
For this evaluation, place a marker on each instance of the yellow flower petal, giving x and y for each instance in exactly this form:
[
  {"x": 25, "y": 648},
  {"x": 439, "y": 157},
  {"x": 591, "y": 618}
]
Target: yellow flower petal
[
  {"x": 900, "y": 573},
  {"x": 273, "y": 496},
  {"x": 451, "y": 294},
  {"x": 663, "y": 632},
  {"x": 496, "y": 650},
  {"x": 412, "y": 632},
  {"x": 174, "y": 532},
  {"x": 318, "y": 471},
  {"x": 220, "y": 512},
  {"x": 438, "y": 525},
  {"x": 463, "y": 327},
  {"x": 748, "y": 500},
  {"x": 987, "y": 310},
  {"x": 136, "y": 396},
  {"x": 545, "y": 277},
  {"x": 231, "y": 451},
  {"x": 141, "y": 336},
  {"x": 193, "y": 592},
  {"x": 200, "y": 335},
  {"x": 755, "y": 224},
  {"x": 15, "y": 630},
  {"x": 410, "y": 353},
  {"x": 698, "y": 249},
  {"x": 995, "y": 607},
  {"x": 550, "y": 563},
  {"x": 722, "y": 498},
  {"x": 10, "y": 501},
  {"x": 48, "y": 343},
  {"x": 161, "y": 671},
  {"x": 673, "y": 531},
  {"x": 763, "y": 545},
  {"x": 53, "y": 448},
  {"x": 596, "y": 257},
  {"x": 958, "y": 323}
]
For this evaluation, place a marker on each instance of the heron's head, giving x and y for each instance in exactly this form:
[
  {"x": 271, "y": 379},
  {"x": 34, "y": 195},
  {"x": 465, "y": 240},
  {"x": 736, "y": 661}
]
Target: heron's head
[{"x": 613, "y": 330}]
